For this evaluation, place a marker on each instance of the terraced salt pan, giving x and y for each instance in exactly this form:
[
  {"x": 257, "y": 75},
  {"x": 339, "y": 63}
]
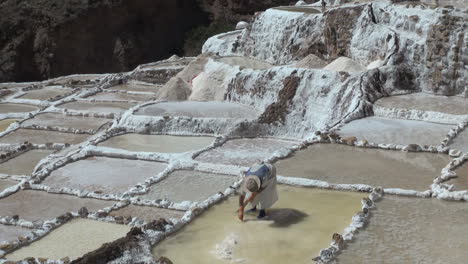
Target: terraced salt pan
[
  {"x": 61, "y": 120},
  {"x": 135, "y": 87},
  {"x": 427, "y": 102},
  {"x": 412, "y": 230},
  {"x": 300, "y": 224},
  {"x": 46, "y": 93},
  {"x": 5, "y": 123},
  {"x": 246, "y": 62},
  {"x": 16, "y": 108},
  {"x": 336, "y": 163},
  {"x": 157, "y": 143},
  {"x": 396, "y": 131},
  {"x": 106, "y": 107},
  {"x": 199, "y": 110},
  {"x": 10, "y": 233},
  {"x": 6, "y": 183},
  {"x": 184, "y": 185},
  {"x": 38, "y": 205},
  {"x": 102, "y": 174},
  {"x": 244, "y": 152},
  {"x": 461, "y": 182},
  {"x": 147, "y": 213},
  {"x": 460, "y": 142},
  {"x": 41, "y": 137},
  {"x": 25, "y": 163},
  {"x": 73, "y": 240},
  {"x": 111, "y": 96}
]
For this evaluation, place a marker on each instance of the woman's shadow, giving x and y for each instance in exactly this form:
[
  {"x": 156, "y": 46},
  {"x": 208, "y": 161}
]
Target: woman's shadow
[{"x": 283, "y": 217}]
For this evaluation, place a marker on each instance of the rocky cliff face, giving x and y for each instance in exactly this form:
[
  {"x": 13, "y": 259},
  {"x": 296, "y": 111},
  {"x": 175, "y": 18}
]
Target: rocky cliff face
[{"x": 41, "y": 39}]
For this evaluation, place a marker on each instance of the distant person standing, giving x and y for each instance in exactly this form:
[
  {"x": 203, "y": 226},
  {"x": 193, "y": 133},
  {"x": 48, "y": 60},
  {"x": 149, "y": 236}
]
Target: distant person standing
[
  {"x": 324, "y": 4},
  {"x": 259, "y": 187}
]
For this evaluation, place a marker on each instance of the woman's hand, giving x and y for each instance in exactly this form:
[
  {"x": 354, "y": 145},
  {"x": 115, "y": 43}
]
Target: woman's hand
[{"x": 240, "y": 213}]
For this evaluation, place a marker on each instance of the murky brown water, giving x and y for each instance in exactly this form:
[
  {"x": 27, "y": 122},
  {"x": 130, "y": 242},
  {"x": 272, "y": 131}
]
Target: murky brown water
[
  {"x": 6, "y": 183},
  {"x": 42, "y": 137},
  {"x": 420, "y": 101},
  {"x": 106, "y": 107},
  {"x": 244, "y": 152},
  {"x": 16, "y": 108},
  {"x": 147, "y": 213},
  {"x": 394, "y": 131},
  {"x": 72, "y": 240},
  {"x": 38, "y": 205},
  {"x": 10, "y": 233},
  {"x": 412, "y": 230},
  {"x": 336, "y": 163},
  {"x": 122, "y": 97},
  {"x": 199, "y": 109},
  {"x": 300, "y": 225},
  {"x": 46, "y": 93},
  {"x": 25, "y": 163},
  {"x": 5, "y": 123},
  {"x": 60, "y": 120},
  {"x": 187, "y": 185},
  {"x": 108, "y": 175},
  {"x": 461, "y": 183},
  {"x": 136, "y": 87},
  {"x": 157, "y": 143}
]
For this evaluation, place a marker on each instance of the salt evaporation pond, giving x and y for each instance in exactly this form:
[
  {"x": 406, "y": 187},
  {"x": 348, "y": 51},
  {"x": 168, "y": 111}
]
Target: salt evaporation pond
[
  {"x": 395, "y": 131},
  {"x": 116, "y": 96},
  {"x": 411, "y": 230},
  {"x": 73, "y": 240},
  {"x": 299, "y": 226},
  {"x": 46, "y": 93},
  {"x": 25, "y": 163},
  {"x": 199, "y": 110},
  {"x": 245, "y": 152},
  {"x": 427, "y": 102},
  {"x": 66, "y": 121},
  {"x": 99, "y": 107},
  {"x": 136, "y": 87},
  {"x": 337, "y": 163},
  {"x": 157, "y": 143},
  {"x": 102, "y": 174},
  {"x": 39, "y": 205},
  {"x": 6, "y": 184},
  {"x": 460, "y": 142},
  {"x": 5, "y": 123},
  {"x": 41, "y": 137},
  {"x": 147, "y": 213},
  {"x": 184, "y": 185},
  {"x": 16, "y": 108},
  {"x": 461, "y": 182},
  {"x": 10, "y": 233}
]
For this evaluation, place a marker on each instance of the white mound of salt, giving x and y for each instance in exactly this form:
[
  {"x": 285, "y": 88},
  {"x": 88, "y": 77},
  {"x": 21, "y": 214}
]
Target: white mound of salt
[{"x": 345, "y": 64}]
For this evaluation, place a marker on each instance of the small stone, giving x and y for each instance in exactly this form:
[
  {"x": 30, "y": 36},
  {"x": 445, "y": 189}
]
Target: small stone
[
  {"x": 6, "y": 247},
  {"x": 412, "y": 148},
  {"x": 83, "y": 212},
  {"x": 22, "y": 239},
  {"x": 349, "y": 140},
  {"x": 455, "y": 153},
  {"x": 42, "y": 260},
  {"x": 65, "y": 260},
  {"x": 242, "y": 25},
  {"x": 101, "y": 214},
  {"x": 164, "y": 260},
  {"x": 127, "y": 220}
]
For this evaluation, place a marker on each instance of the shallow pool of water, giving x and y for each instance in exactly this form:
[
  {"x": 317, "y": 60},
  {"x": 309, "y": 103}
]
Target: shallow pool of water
[
  {"x": 46, "y": 93},
  {"x": 300, "y": 225},
  {"x": 122, "y": 97},
  {"x": 244, "y": 152},
  {"x": 461, "y": 182},
  {"x": 412, "y": 230},
  {"x": 157, "y": 143},
  {"x": 73, "y": 240},
  {"x": 5, "y": 123},
  {"x": 199, "y": 109},
  {"x": 336, "y": 163},
  {"x": 136, "y": 88},
  {"x": 16, "y": 108},
  {"x": 6, "y": 183},
  {"x": 147, "y": 213},
  {"x": 10, "y": 233},
  {"x": 461, "y": 141},
  {"x": 395, "y": 131},
  {"x": 100, "y": 107},
  {"x": 109, "y": 175},
  {"x": 41, "y": 137},
  {"x": 38, "y": 205},
  {"x": 184, "y": 185},
  {"x": 61, "y": 120},
  {"x": 25, "y": 163}
]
